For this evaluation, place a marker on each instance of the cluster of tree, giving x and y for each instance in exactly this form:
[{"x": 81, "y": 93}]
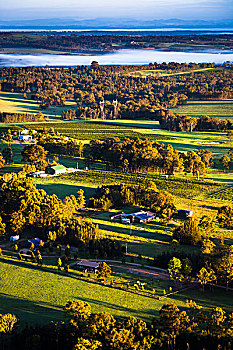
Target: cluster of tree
[
  {"x": 7, "y": 155},
  {"x": 176, "y": 122},
  {"x": 146, "y": 155},
  {"x": 225, "y": 217},
  {"x": 110, "y": 92},
  {"x": 24, "y": 208},
  {"x": 191, "y": 329},
  {"x": 193, "y": 231},
  {"x": 13, "y": 117},
  {"x": 216, "y": 265},
  {"x": 115, "y": 196},
  {"x": 59, "y": 146},
  {"x": 105, "y": 248}
]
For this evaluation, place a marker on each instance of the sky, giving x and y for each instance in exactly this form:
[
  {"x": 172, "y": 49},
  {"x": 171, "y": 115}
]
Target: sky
[{"x": 138, "y": 9}]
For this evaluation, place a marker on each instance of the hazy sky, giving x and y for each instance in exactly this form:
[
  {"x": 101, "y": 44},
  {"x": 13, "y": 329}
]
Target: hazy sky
[{"x": 143, "y": 9}]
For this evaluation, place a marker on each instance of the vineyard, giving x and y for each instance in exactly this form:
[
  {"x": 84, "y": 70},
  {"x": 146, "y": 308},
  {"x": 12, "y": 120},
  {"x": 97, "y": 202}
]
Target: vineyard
[
  {"x": 94, "y": 130},
  {"x": 224, "y": 194},
  {"x": 180, "y": 187},
  {"x": 221, "y": 109}
]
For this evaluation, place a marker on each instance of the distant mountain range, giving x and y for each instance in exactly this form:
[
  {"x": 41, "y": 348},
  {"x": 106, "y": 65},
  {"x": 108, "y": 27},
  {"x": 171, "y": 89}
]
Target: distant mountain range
[{"x": 114, "y": 23}]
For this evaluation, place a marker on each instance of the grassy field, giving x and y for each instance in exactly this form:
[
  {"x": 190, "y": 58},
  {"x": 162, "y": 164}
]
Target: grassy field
[
  {"x": 37, "y": 296},
  {"x": 164, "y": 73},
  {"x": 15, "y": 102},
  {"x": 64, "y": 188}
]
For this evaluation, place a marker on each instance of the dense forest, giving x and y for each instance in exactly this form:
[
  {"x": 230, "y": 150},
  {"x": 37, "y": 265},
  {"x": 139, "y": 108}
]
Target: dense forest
[{"x": 110, "y": 92}]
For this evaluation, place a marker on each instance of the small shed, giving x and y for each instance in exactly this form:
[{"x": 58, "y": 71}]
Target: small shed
[
  {"x": 56, "y": 169},
  {"x": 87, "y": 266}
]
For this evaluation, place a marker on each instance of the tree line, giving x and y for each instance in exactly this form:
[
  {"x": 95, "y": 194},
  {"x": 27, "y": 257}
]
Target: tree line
[
  {"x": 193, "y": 328},
  {"x": 176, "y": 122},
  {"x": 143, "y": 155},
  {"x": 12, "y": 117},
  {"x": 81, "y": 42}
]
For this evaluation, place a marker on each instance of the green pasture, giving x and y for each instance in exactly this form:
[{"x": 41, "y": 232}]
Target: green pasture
[
  {"x": 38, "y": 296},
  {"x": 148, "y": 239}
]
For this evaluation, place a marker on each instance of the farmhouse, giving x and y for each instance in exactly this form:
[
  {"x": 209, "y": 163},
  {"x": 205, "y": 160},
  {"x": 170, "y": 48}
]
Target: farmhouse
[
  {"x": 139, "y": 217},
  {"x": 56, "y": 170},
  {"x": 87, "y": 266},
  {"x": 24, "y": 132}
]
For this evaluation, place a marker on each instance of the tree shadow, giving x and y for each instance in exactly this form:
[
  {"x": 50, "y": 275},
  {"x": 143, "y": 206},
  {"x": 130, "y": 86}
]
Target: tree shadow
[
  {"x": 63, "y": 190},
  {"x": 30, "y": 312}
]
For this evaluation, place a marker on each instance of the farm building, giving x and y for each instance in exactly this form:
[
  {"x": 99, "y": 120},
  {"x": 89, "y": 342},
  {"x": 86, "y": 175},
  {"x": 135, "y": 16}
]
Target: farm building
[
  {"x": 35, "y": 241},
  {"x": 25, "y": 138},
  {"x": 56, "y": 170},
  {"x": 24, "y": 132},
  {"x": 184, "y": 213},
  {"x": 38, "y": 174},
  {"x": 139, "y": 217},
  {"x": 87, "y": 266}
]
